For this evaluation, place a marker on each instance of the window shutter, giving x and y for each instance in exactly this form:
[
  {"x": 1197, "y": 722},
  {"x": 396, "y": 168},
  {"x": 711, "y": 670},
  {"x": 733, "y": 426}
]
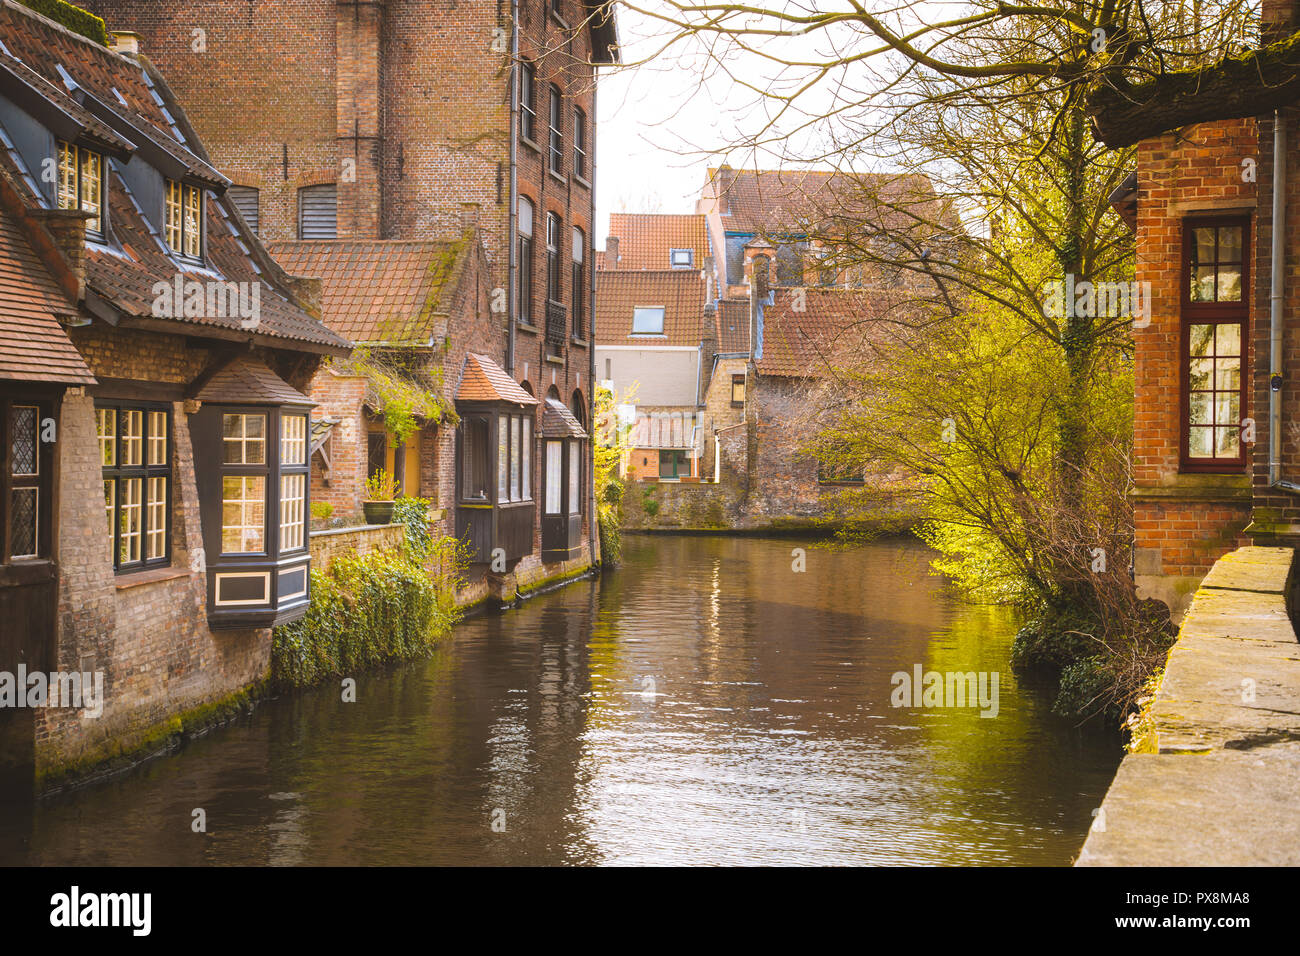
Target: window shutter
[
  {"x": 318, "y": 212},
  {"x": 245, "y": 200}
]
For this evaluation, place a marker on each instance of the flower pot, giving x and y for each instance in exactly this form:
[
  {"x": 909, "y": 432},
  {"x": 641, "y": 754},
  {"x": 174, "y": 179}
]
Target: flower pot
[{"x": 378, "y": 512}]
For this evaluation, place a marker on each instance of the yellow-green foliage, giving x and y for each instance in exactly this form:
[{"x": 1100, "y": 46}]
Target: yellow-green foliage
[
  {"x": 367, "y": 610},
  {"x": 408, "y": 394}
]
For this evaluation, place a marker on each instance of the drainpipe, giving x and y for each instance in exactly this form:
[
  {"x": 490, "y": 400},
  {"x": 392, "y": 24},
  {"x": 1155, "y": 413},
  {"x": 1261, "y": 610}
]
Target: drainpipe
[
  {"x": 511, "y": 246},
  {"x": 593, "y": 532},
  {"x": 1277, "y": 265}
]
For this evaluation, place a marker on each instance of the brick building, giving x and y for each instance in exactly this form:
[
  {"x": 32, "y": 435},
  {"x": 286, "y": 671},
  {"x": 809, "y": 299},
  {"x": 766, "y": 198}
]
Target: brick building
[
  {"x": 154, "y": 355},
  {"x": 397, "y": 120},
  {"x": 1216, "y": 457}
]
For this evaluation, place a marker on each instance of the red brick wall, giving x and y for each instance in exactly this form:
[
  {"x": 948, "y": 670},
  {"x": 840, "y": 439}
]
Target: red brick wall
[{"x": 1196, "y": 171}]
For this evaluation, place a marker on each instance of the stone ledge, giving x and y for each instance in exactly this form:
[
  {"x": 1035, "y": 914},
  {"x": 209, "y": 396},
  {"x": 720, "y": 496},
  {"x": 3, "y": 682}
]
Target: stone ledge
[{"x": 1225, "y": 729}]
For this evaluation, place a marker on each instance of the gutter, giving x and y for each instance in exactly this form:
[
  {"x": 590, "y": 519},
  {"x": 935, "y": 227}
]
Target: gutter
[
  {"x": 511, "y": 246},
  {"x": 1277, "y": 265}
]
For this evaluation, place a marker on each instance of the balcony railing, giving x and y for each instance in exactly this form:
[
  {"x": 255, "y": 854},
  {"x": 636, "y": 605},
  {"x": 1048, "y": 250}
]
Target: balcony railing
[{"x": 556, "y": 324}]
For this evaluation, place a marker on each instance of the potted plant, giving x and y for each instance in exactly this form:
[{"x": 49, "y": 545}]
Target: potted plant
[{"x": 381, "y": 492}]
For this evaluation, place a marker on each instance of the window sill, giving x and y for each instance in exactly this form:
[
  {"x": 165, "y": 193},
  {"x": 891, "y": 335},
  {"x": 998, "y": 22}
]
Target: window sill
[
  {"x": 527, "y": 327},
  {"x": 555, "y": 359},
  {"x": 135, "y": 579},
  {"x": 581, "y": 181},
  {"x": 557, "y": 177},
  {"x": 581, "y": 343},
  {"x": 530, "y": 144},
  {"x": 1197, "y": 487}
]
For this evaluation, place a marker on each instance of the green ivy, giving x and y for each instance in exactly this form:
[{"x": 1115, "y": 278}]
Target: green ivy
[
  {"x": 74, "y": 18},
  {"x": 367, "y": 610}
]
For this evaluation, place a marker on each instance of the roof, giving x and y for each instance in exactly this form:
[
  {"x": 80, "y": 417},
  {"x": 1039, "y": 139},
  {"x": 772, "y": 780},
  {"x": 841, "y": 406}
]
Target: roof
[
  {"x": 646, "y": 239},
  {"x": 733, "y": 325},
  {"x": 679, "y": 291},
  {"x": 559, "y": 422},
  {"x": 803, "y": 342},
  {"x": 122, "y": 106},
  {"x": 483, "y": 380},
  {"x": 784, "y": 202},
  {"x": 33, "y": 345},
  {"x": 247, "y": 381},
  {"x": 379, "y": 291}
]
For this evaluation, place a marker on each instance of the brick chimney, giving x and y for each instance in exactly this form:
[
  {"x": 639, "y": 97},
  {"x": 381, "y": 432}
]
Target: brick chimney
[
  {"x": 469, "y": 216},
  {"x": 722, "y": 181},
  {"x": 126, "y": 42},
  {"x": 67, "y": 227},
  {"x": 611, "y": 252},
  {"x": 708, "y": 347}
]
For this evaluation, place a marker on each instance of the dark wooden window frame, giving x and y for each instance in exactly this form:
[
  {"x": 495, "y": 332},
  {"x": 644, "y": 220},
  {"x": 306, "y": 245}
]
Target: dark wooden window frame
[
  {"x": 579, "y": 290},
  {"x": 202, "y": 224},
  {"x": 527, "y": 108},
  {"x": 118, "y": 473},
  {"x": 525, "y": 265},
  {"x": 1212, "y": 313},
  {"x": 43, "y": 481},
  {"x": 101, "y": 233},
  {"x": 555, "y": 131}
]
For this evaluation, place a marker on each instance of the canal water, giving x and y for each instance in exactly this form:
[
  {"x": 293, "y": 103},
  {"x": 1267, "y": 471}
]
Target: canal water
[{"x": 706, "y": 704}]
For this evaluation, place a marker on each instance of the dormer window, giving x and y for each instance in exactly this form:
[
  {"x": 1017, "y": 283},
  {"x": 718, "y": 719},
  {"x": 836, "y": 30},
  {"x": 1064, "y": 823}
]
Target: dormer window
[
  {"x": 183, "y": 221},
  {"x": 681, "y": 258},
  {"x": 81, "y": 184}
]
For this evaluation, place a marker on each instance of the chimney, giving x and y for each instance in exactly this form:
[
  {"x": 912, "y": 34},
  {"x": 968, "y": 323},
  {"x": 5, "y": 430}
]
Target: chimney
[
  {"x": 67, "y": 227},
  {"x": 708, "y": 347},
  {"x": 611, "y": 252},
  {"x": 722, "y": 181},
  {"x": 468, "y": 216},
  {"x": 761, "y": 275},
  {"x": 126, "y": 42}
]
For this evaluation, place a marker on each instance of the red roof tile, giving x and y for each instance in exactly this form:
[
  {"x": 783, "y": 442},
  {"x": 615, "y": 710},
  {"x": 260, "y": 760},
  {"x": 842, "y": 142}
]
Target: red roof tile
[
  {"x": 381, "y": 291},
  {"x": 645, "y": 240},
  {"x": 483, "y": 380},
  {"x": 733, "y": 325},
  {"x": 679, "y": 291},
  {"x": 33, "y": 345},
  {"x": 559, "y": 422},
  {"x": 805, "y": 342},
  {"x": 245, "y": 380}
]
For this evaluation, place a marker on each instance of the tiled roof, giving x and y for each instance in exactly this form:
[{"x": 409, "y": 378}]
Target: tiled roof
[
  {"x": 483, "y": 380},
  {"x": 803, "y": 343},
  {"x": 778, "y": 202},
  {"x": 245, "y": 380},
  {"x": 679, "y": 291},
  {"x": 646, "y": 239},
  {"x": 558, "y": 421},
  {"x": 733, "y": 325},
  {"x": 33, "y": 346},
  {"x": 380, "y": 291},
  {"x": 74, "y": 73}
]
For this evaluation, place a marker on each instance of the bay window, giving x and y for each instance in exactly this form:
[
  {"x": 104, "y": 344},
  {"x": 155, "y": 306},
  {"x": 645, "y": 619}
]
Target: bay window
[
  {"x": 1214, "y": 325},
  {"x": 564, "y": 444},
  {"x": 251, "y": 447},
  {"x": 495, "y": 511}
]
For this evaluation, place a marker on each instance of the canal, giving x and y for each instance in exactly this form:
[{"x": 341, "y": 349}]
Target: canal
[{"x": 707, "y": 703}]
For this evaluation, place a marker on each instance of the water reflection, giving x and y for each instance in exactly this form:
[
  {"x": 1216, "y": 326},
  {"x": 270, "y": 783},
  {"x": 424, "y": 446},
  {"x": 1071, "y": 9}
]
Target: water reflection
[{"x": 705, "y": 704}]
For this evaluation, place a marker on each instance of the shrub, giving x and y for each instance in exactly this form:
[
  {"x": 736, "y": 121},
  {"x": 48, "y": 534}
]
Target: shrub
[
  {"x": 73, "y": 17},
  {"x": 321, "y": 510},
  {"x": 381, "y": 486}
]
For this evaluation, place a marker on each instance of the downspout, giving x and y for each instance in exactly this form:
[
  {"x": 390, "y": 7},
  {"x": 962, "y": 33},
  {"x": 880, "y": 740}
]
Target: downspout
[
  {"x": 1276, "y": 267},
  {"x": 512, "y": 253},
  {"x": 594, "y": 529}
]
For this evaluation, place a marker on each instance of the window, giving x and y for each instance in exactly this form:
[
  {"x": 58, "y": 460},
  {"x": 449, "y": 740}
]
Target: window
[
  {"x": 525, "y": 261},
  {"x": 474, "y": 458},
  {"x": 579, "y": 291},
  {"x": 673, "y": 463},
  {"x": 527, "y": 109},
  {"x": 318, "y": 212},
  {"x": 26, "y": 483},
  {"x": 579, "y": 142},
  {"x": 81, "y": 184},
  {"x": 376, "y": 453},
  {"x": 738, "y": 391},
  {"x": 244, "y": 438},
  {"x": 681, "y": 258},
  {"x": 648, "y": 320},
  {"x": 245, "y": 199},
  {"x": 553, "y": 258},
  {"x": 135, "y": 458},
  {"x": 554, "y": 476},
  {"x": 557, "y": 137},
  {"x": 1214, "y": 316},
  {"x": 575, "y": 472},
  {"x": 243, "y": 496},
  {"x": 514, "y": 435},
  {"x": 293, "y": 482},
  {"x": 183, "y": 219}
]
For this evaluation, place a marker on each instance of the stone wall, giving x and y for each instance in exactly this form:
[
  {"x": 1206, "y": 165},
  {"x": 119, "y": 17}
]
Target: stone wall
[
  {"x": 364, "y": 539},
  {"x": 1218, "y": 761}
]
